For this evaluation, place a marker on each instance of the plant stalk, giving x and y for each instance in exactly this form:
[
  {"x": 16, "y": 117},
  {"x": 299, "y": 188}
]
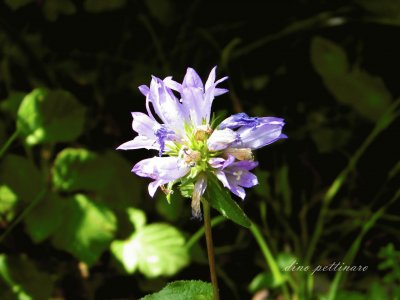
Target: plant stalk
[{"x": 210, "y": 248}]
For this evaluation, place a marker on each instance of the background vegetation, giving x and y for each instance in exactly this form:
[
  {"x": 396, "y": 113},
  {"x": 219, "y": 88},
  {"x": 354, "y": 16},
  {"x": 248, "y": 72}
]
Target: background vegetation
[{"x": 76, "y": 224}]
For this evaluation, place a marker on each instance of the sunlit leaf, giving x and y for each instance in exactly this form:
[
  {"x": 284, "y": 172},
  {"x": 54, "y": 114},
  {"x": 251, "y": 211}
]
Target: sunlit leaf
[
  {"x": 137, "y": 217},
  {"x": 98, "y": 6},
  {"x": 45, "y": 218},
  {"x": 23, "y": 280},
  {"x": 365, "y": 93},
  {"x": 183, "y": 290},
  {"x": 8, "y": 203},
  {"x": 22, "y": 177},
  {"x": 221, "y": 200},
  {"x": 155, "y": 250},
  {"x": 80, "y": 169},
  {"x": 87, "y": 229},
  {"x": 49, "y": 116}
]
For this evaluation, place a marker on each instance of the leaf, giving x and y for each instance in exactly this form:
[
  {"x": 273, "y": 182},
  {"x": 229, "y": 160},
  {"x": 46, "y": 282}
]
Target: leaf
[
  {"x": 171, "y": 211},
  {"x": 8, "y": 203},
  {"x": 22, "y": 278},
  {"x": 264, "y": 280},
  {"x": 98, "y": 6},
  {"x": 328, "y": 59},
  {"x": 161, "y": 10},
  {"x": 21, "y": 176},
  {"x": 79, "y": 169},
  {"x": 155, "y": 250},
  {"x": 17, "y": 4},
  {"x": 50, "y": 116},
  {"x": 45, "y": 218},
  {"x": 87, "y": 229},
  {"x": 12, "y": 103},
  {"x": 183, "y": 290},
  {"x": 221, "y": 200},
  {"x": 365, "y": 93},
  {"x": 377, "y": 291},
  {"x": 137, "y": 217},
  {"x": 53, "y": 9}
]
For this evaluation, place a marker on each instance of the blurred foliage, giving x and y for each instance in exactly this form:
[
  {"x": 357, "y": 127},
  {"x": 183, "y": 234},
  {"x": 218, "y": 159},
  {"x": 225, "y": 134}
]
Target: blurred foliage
[{"x": 76, "y": 224}]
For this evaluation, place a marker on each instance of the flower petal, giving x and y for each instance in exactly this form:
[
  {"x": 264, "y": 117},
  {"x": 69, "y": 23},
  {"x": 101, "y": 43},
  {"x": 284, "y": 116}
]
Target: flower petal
[
  {"x": 144, "y": 125},
  {"x": 221, "y": 139},
  {"x": 166, "y": 105},
  {"x": 164, "y": 168},
  {"x": 192, "y": 79},
  {"x": 140, "y": 142},
  {"x": 261, "y": 135}
]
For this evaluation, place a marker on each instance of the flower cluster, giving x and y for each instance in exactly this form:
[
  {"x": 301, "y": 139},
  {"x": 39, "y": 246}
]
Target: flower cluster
[{"x": 191, "y": 146}]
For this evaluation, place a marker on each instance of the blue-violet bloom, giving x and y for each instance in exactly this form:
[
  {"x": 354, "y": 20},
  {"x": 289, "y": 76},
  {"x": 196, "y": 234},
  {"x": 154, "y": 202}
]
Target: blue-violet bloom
[{"x": 190, "y": 145}]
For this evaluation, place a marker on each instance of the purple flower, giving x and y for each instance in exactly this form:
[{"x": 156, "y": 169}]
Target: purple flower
[{"x": 178, "y": 126}]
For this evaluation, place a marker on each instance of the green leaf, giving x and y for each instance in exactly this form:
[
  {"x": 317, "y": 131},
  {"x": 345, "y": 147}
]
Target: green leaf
[
  {"x": 377, "y": 291},
  {"x": 45, "y": 218},
  {"x": 8, "y": 203},
  {"x": 263, "y": 280},
  {"x": 23, "y": 280},
  {"x": 171, "y": 211},
  {"x": 21, "y": 176},
  {"x": 183, "y": 290},
  {"x": 49, "y": 116},
  {"x": 161, "y": 10},
  {"x": 80, "y": 169},
  {"x": 109, "y": 174},
  {"x": 347, "y": 295},
  {"x": 87, "y": 228},
  {"x": 98, "y": 6},
  {"x": 221, "y": 200},
  {"x": 137, "y": 217},
  {"x": 328, "y": 59},
  {"x": 12, "y": 103},
  {"x": 155, "y": 250},
  {"x": 53, "y": 9},
  {"x": 16, "y": 4},
  {"x": 365, "y": 93}
]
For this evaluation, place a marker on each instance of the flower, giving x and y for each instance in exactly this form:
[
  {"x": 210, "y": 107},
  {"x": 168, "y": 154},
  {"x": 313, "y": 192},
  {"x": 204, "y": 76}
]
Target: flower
[{"x": 190, "y": 147}]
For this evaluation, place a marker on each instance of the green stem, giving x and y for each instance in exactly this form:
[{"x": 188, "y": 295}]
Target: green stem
[
  {"x": 273, "y": 265},
  {"x": 8, "y": 143},
  {"x": 210, "y": 248},
  {"x": 22, "y": 216}
]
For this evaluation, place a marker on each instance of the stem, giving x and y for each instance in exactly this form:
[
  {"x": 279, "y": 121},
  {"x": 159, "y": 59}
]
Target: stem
[
  {"x": 273, "y": 265},
  {"x": 210, "y": 248},
  {"x": 24, "y": 213},
  {"x": 8, "y": 143}
]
